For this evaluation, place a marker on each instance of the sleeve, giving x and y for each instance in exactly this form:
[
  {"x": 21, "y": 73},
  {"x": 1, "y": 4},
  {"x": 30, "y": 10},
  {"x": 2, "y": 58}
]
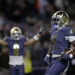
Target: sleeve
[
  {"x": 24, "y": 39},
  {"x": 70, "y": 35},
  {"x": 6, "y": 39}
]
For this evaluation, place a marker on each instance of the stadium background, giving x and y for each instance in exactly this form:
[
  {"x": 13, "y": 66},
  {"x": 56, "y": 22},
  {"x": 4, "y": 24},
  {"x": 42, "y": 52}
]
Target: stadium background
[{"x": 29, "y": 15}]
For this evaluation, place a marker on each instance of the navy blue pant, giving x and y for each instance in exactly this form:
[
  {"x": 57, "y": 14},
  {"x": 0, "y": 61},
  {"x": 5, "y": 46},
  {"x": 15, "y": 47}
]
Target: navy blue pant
[
  {"x": 17, "y": 70},
  {"x": 56, "y": 67}
]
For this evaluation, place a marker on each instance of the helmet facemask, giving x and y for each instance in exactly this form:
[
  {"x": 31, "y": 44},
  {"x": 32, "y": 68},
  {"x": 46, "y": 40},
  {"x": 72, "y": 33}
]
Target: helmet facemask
[{"x": 54, "y": 23}]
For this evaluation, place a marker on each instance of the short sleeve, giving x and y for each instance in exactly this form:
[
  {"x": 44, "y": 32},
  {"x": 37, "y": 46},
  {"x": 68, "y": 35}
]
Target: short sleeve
[
  {"x": 69, "y": 31},
  {"x": 6, "y": 39},
  {"x": 70, "y": 35},
  {"x": 24, "y": 39}
]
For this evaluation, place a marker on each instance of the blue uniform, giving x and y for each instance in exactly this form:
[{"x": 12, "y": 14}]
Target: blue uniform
[
  {"x": 16, "y": 55},
  {"x": 59, "y": 44}
]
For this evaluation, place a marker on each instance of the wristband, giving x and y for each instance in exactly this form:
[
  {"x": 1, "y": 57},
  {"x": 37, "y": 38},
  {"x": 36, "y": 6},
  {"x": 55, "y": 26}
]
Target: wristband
[
  {"x": 48, "y": 55},
  {"x": 36, "y": 37},
  {"x": 71, "y": 55}
]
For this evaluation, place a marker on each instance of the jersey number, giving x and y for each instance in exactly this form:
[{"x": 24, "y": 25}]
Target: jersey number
[
  {"x": 16, "y": 48},
  {"x": 54, "y": 43}
]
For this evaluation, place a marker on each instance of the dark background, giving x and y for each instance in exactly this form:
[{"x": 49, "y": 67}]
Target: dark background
[{"x": 29, "y": 15}]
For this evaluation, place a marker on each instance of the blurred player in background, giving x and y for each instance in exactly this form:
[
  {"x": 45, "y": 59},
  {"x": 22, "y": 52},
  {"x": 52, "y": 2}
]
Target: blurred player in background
[
  {"x": 27, "y": 63},
  {"x": 62, "y": 44},
  {"x": 16, "y": 43}
]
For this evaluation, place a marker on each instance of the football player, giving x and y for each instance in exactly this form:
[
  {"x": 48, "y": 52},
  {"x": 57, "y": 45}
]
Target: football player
[
  {"x": 62, "y": 44},
  {"x": 16, "y": 43}
]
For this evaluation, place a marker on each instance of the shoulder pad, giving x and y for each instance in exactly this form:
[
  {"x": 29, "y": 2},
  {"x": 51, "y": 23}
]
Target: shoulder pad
[{"x": 6, "y": 38}]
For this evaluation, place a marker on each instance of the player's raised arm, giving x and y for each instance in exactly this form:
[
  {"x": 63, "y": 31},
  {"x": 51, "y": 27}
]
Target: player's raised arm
[
  {"x": 3, "y": 42},
  {"x": 33, "y": 40}
]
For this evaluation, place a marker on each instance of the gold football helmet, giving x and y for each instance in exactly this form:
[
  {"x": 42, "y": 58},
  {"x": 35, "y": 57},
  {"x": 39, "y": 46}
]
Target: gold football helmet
[
  {"x": 59, "y": 19},
  {"x": 15, "y": 33}
]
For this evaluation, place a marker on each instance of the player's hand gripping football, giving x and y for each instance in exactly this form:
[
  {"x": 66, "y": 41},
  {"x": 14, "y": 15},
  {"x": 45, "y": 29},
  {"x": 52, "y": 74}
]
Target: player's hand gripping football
[{"x": 68, "y": 53}]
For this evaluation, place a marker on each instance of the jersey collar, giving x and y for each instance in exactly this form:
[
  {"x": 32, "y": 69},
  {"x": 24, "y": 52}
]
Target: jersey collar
[{"x": 61, "y": 27}]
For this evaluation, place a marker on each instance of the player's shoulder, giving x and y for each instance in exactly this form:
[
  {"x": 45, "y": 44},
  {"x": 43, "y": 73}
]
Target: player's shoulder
[
  {"x": 23, "y": 38},
  {"x": 65, "y": 28},
  {"x": 7, "y": 38},
  {"x": 68, "y": 30}
]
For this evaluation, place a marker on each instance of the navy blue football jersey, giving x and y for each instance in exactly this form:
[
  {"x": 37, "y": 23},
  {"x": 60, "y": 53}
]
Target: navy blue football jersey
[
  {"x": 15, "y": 47},
  {"x": 59, "y": 43}
]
